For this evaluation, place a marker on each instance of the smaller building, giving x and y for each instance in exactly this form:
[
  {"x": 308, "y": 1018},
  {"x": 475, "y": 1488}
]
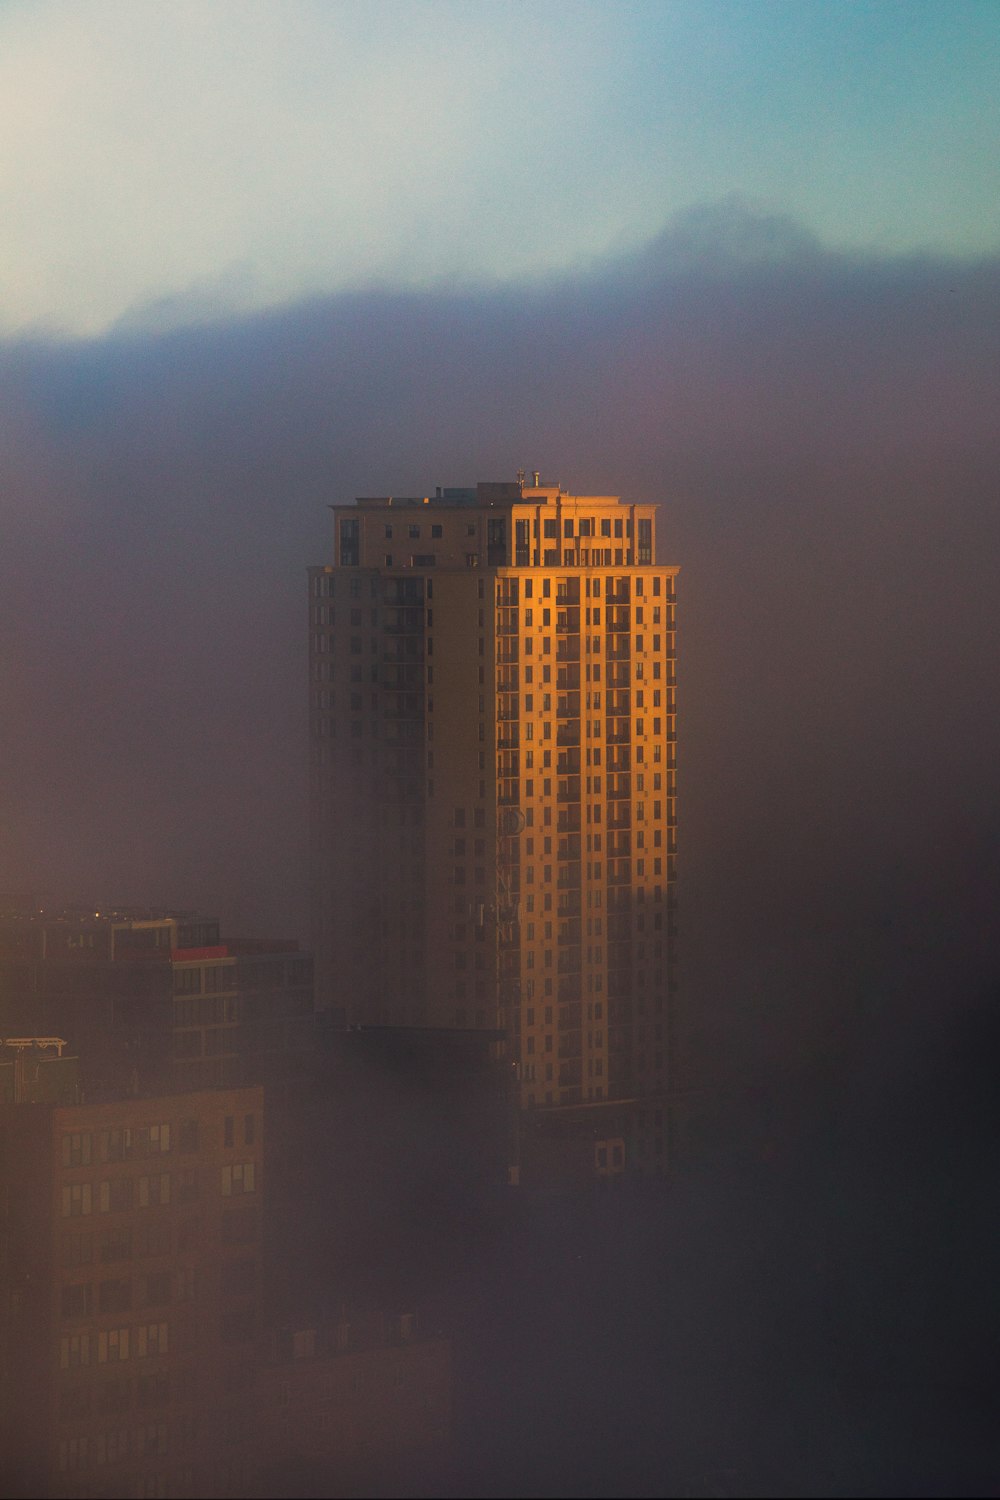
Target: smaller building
[
  {"x": 362, "y": 1405},
  {"x": 130, "y": 1284}
]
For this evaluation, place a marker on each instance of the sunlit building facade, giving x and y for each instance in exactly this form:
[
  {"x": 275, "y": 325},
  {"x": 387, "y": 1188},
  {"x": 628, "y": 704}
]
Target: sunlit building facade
[{"x": 493, "y": 772}]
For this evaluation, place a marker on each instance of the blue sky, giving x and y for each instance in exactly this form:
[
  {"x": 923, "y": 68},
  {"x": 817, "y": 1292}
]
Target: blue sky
[{"x": 178, "y": 161}]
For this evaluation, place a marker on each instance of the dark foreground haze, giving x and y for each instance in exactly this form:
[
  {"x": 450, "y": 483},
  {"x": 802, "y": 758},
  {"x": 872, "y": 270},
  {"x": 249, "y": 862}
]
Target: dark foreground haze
[{"x": 807, "y": 1308}]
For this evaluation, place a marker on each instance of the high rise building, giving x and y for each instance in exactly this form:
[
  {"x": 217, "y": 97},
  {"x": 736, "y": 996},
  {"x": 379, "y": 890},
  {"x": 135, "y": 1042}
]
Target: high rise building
[{"x": 493, "y": 772}]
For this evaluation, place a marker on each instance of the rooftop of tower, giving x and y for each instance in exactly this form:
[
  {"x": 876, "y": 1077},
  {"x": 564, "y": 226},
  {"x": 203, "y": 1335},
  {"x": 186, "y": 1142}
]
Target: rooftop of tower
[{"x": 500, "y": 493}]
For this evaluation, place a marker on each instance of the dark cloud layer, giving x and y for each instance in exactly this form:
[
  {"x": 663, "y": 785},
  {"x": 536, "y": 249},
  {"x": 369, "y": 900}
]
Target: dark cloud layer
[{"x": 820, "y": 431}]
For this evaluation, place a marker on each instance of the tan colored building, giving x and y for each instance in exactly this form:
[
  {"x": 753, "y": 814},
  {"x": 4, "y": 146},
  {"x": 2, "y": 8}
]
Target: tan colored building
[
  {"x": 130, "y": 1250},
  {"x": 493, "y": 772}
]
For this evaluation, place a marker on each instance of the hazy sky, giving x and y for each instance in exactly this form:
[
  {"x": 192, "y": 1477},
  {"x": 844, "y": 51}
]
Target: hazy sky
[{"x": 176, "y": 160}]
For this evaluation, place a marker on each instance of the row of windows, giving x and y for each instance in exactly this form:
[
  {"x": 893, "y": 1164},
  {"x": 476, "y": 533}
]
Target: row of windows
[
  {"x": 149, "y": 1441},
  {"x": 113, "y": 1345},
  {"x": 568, "y": 620},
  {"x": 154, "y": 1238},
  {"x": 118, "y": 1194},
  {"x": 153, "y": 1386},
  {"x": 157, "y": 1288},
  {"x": 120, "y": 1143},
  {"x": 615, "y": 590}
]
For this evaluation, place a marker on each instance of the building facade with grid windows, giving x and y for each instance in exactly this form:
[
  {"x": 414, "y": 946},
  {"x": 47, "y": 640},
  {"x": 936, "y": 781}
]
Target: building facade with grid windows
[{"x": 493, "y": 779}]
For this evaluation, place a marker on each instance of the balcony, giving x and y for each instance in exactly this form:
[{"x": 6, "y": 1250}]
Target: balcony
[
  {"x": 568, "y": 762},
  {"x": 619, "y": 648},
  {"x": 569, "y": 905},
  {"x": 618, "y": 620},
  {"x": 568, "y": 821},
  {"x": 619, "y": 759},
  {"x": 507, "y": 649},
  {"x": 568, "y": 733},
  {"x": 570, "y": 931},
  {"x": 567, "y": 621},
  {"x": 508, "y": 736},
  {"x": 569, "y": 848},
  {"x": 568, "y": 649},
  {"x": 567, "y": 678},
  {"x": 619, "y": 845}
]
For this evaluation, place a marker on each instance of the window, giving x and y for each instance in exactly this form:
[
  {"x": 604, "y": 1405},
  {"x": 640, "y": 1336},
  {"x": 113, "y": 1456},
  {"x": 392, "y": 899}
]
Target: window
[
  {"x": 151, "y": 1442},
  {"x": 153, "y": 1238},
  {"x": 238, "y": 1178},
  {"x": 76, "y": 1149},
  {"x": 227, "y": 1131},
  {"x": 76, "y": 1301},
  {"x": 151, "y": 1339},
  {"x": 77, "y": 1250},
  {"x": 154, "y": 1190},
  {"x": 116, "y": 1195},
  {"x": 72, "y": 1453},
  {"x": 188, "y": 1135},
  {"x": 349, "y": 543},
  {"x": 74, "y": 1351},
  {"x": 116, "y": 1244},
  {"x": 112, "y": 1346},
  {"x": 187, "y": 1186},
  {"x": 156, "y": 1288},
  {"x": 76, "y": 1200}
]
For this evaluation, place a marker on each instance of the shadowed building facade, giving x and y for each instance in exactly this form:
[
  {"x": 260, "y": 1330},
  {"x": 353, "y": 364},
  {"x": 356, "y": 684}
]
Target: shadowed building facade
[
  {"x": 493, "y": 775},
  {"x": 130, "y": 1244}
]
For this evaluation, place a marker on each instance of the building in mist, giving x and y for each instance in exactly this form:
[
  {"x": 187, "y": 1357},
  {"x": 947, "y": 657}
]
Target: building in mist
[
  {"x": 492, "y": 721},
  {"x": 130, "y": 1284},
  {"x": 153, "y": 996}
]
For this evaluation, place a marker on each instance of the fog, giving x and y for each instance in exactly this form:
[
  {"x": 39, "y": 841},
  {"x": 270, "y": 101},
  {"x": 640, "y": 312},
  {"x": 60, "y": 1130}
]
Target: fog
[{"x": 820, "y": 433}]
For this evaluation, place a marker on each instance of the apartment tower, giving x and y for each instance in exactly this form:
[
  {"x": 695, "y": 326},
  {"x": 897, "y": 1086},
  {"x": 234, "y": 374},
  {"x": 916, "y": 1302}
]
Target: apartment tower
[{"x": 493, "y": 771}]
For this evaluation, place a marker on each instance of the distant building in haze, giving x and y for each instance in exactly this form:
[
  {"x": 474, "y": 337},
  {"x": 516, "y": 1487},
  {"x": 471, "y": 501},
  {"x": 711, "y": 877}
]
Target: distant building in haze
[
  {"x": 492, "y": 720},
  {"x": 130, "y": 1283},
  {"x": 154, "y": 996}
]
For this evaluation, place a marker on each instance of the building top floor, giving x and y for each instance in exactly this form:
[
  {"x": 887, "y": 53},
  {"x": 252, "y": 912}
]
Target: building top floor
[
  {"x": 494, "y": 525},
  {"x": 118, "y": 933}
]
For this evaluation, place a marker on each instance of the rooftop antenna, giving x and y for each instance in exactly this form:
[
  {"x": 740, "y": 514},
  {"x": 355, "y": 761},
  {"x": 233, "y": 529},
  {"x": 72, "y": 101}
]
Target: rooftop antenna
[{"x": 520, "y": 478}]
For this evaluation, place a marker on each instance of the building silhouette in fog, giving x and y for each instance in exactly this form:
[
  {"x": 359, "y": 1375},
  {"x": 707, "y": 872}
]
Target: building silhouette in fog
[
  {"x": 129, "y": 1293},
  {"x": 493, "y": 780}
]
